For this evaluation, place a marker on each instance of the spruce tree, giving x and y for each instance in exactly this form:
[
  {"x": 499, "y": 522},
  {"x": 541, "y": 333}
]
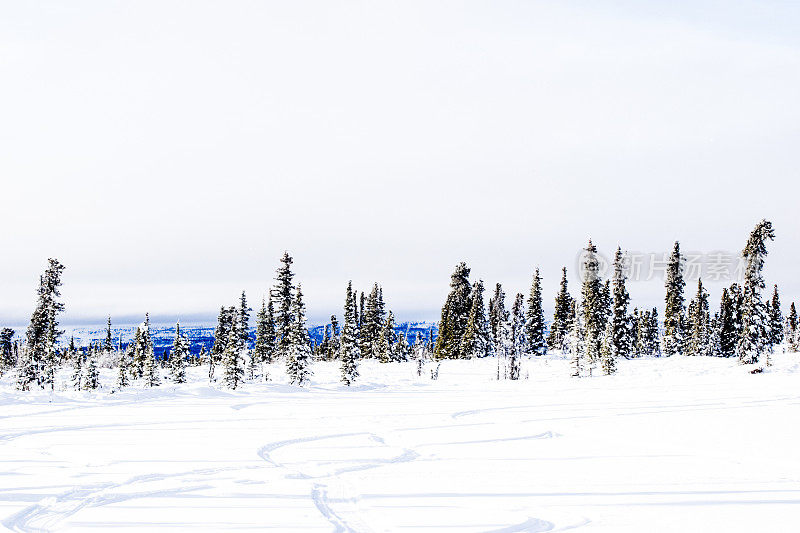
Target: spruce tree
[
  {"x": 108, "y": 344},
  {"x": 608, "y": 351},
  {"x": 362, "y": 302},
  {"x": 42, "y": 334},
  {"x": 299, "y": 351},
  {"x": 334, "y": 341},
  {"x": 244, "y": 323},
  {"x": 754, "y": 342},
  {"x": 325, "y": 345},
  {"x": 283, "y": 293},
  {"x": 791, "y": 328},
  {"x": 654, "y": 347},
  {"x": 271, "y": 339},
  {"x": 372, "y": 321},
  {"x": 577, "y": 343},
  {"x": 593, "y": 306},
  {"x": 7, "y": 359},
  {"x": 125, "y": 369},
  {"x": 636, "y": 318},
  {"x": 622, "y": 338},
  {"x": 517, "y": 325},
  {"x": 503, "y": 345},
  {"x": 674, "y": 319},
  {"x": 177, "y": 359},
  {"x": 92, "y": 378},
  {"x": 152, "y": 373},
  {"x": 727, "y": 327},
  {"x": 455, "y": 315},
  {"x": 498, "y": 317},
  {"x": 776, "y": 318},
  {"x": 262, "y": 345},
  {"x": 386, "y": 340},
  {"x": 78, "y": 371},
  {"x": 737, "y": 298},
  {"x": 349, "y": 351},
  {"x": 475, "y": 342},
  {"x": 401, "y": 350},
  {"x": 534, "y": 327},
  {"x": 699, "y": 323},
  {"x": 222, "y": 335},
  {"x": 232, "y": 357},
  {"x": 562, "y": 318}
]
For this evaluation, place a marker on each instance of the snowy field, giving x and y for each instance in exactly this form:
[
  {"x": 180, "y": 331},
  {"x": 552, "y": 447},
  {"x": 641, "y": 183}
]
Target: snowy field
[{"x": 679, "y": 444}]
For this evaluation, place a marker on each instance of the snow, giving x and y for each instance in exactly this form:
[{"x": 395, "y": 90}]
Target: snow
[{"x": 669, "y": 444}]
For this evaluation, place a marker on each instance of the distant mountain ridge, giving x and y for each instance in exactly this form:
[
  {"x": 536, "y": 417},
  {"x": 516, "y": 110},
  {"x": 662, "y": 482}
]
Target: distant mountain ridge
[{"x": 202, "y": 336}]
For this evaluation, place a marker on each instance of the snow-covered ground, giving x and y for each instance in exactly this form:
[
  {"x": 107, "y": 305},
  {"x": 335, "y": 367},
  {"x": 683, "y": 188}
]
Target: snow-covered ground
[{"x": 679, "y": 444}]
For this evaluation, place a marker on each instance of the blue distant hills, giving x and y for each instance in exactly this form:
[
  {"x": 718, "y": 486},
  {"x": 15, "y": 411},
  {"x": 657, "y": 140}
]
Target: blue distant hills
[{"x": 202, "y": 336}]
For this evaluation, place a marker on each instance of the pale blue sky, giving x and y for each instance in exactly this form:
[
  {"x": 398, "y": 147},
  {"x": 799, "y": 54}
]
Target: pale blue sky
[{"x": 168, "y": 152}]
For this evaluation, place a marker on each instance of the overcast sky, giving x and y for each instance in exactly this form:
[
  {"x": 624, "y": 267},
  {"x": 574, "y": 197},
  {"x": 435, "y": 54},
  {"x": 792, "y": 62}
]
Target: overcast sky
[{"x": 169, "y": 152}]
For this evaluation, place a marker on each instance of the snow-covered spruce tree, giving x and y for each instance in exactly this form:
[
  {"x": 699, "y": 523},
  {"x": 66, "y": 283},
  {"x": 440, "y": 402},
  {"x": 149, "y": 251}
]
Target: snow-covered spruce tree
[
  {"x": 594, "y": 306},
  {"x": 608, "y": 351},
  {"x": 91, "y": 379},
  {"x": 647, "y": 339},
  {"x": 39, "y": 363},
  {"x": 325, "y": 345},
  {"x": 222, "y": 334},
  {"x": 754, "y": 343},
  {"x": 401, "y": 349},
  {"x": 737, "y": 298},
  {"x": 714, "y": 336},
  {"x": 177, "y": 359},
  {"x": 108, "y": 342},
  {"x": 674, "y": 319},
  {"x": 534, "y": 327},
  {"x": 143, "y": 345},
  {"x": 271, "y": 339},
  {"x": 517, "y": 329},
  {"x": 299, "y": 352},
  {"x": 728, "y": 330},
  {"x": 790, "y": 330},
  {"x": 6, "y": 349},
  {"x": 475, "y": 342},
  {"x": 518, "y": 340},
  {"x": 653, "y": 334},
  {"x": 77, "y": 370},
  {"x": 386, "y": 340},
  {"x": 562, "y": 317},
  {"x": 503, "y": 348},
  {"x": 419, "y": 353},
  {"x": 455, "y": 315},
  {"x": 636, "y": 320},
  {"x": 263, "y": 340},
  {"x": 152, "y": 372},
  {"x": 243, "y": 323},
  {"x": 349, "y": 342},
  {"x": 576, "y": 341},
  {"x": 232, "y": 357},
  {"x": 699, "y": 323},
  {"x": 620, "y": 319},
  {"x": 362, "y": 303},
  {"x": 776, "y": 318},
  {"x": 334, "y": 341},
  {"x": 498, "y": 317},
  {"x": 283, "y": 294},
  {"x": 372, "y": 323},
  {"x": 125, "y": 369}
]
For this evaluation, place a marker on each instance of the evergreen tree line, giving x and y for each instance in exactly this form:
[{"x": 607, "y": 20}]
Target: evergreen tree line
[
  {"x": 597, "y": 328},
  {"x": 594, "y": 330}
]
